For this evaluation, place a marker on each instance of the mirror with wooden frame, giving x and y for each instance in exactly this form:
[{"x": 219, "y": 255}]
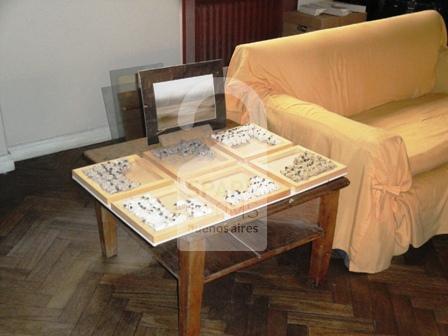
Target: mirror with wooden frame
[{"x": 182, "y": 96}]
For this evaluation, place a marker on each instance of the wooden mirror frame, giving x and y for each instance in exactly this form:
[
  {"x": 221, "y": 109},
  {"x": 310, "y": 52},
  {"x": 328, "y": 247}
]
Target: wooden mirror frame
[{"x": 147, "y": 78}]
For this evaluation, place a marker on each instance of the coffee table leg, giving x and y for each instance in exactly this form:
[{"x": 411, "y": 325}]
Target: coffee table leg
[
  {"x": 190, "y": 286},
  {"x": 321, "y": 251},
  {"x": 107, "y": 229}
]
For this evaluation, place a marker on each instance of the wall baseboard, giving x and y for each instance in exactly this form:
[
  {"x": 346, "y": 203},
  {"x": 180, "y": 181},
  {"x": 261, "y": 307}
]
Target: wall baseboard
[
  {"x": 6, "y": 164},
  {"x": 57, "y": 144}
]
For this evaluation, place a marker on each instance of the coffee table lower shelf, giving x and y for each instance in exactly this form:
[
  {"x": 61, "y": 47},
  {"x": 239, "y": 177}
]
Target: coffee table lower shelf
[{"x": 236, "y": 254}]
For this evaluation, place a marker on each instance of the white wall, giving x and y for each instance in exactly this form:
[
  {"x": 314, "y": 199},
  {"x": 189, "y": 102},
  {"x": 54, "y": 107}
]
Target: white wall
[
  {"x": 3, "y": 147},
  {"x": 55, "y": 55},
  {"x": 6, "y": 162}
]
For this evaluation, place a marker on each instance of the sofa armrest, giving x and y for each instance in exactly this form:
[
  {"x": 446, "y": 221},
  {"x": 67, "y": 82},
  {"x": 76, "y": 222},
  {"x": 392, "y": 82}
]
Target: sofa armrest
[
  {"x": 377, "y": 162},
  {"x": 330, "y": 133}
]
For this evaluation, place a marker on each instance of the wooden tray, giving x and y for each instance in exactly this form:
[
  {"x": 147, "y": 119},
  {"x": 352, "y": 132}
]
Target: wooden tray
[
  {"x": 273, "y": 163},
  {"x": 214, "y": 185},
  {"x": 168, "y": 195},
  {"x": 179, "y": 166},
  {"x": 255, "y": 148},
  {"x": 141, "y": 171}
]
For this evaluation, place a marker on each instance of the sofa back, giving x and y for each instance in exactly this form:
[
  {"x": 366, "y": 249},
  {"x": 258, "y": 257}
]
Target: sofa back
[{"x": 349, "y": 69}]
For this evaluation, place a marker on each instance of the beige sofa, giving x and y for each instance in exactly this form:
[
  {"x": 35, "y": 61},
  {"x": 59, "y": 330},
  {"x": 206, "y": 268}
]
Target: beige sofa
[{"x": 373, "y": 96}]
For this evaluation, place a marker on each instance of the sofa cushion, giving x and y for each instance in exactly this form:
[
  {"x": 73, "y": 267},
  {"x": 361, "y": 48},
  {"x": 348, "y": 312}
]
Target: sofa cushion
[{"x": 421, "y": 122}]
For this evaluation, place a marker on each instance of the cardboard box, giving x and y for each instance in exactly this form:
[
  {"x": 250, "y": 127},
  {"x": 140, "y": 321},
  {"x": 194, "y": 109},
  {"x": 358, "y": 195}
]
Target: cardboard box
[{"x": 299, "y": 23}]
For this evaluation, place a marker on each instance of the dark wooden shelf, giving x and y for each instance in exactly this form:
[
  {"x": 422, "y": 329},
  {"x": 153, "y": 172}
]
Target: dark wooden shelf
[{"x": 235, "y": 249}]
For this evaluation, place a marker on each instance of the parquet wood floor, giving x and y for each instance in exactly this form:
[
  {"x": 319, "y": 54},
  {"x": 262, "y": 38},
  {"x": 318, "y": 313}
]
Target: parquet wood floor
[{"x": 53, "y": 280}]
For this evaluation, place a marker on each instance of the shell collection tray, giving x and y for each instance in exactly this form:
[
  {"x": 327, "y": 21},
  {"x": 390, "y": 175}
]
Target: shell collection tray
[
  {"x": 238, "y": 188},
  {"x": 299, "y": 167},
  {"x": 189, "y": 158},
  {"x": 167, "y": 212},
  {"x": 184, "y": 148},
  {"x": 115, "y": 179},
  {"x": 249, "y": 141}
]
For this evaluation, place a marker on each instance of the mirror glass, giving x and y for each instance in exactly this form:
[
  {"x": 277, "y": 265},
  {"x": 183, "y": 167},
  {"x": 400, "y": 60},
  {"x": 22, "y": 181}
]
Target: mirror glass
[{"x": 184, "y": 101}]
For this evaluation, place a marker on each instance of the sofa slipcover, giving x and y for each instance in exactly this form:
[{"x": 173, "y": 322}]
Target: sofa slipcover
[{"x": 374, "y": 97}]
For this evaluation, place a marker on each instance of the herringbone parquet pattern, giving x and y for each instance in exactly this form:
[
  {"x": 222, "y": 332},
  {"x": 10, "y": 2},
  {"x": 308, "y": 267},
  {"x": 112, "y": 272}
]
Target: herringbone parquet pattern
[{"x": 53, "y": 280}]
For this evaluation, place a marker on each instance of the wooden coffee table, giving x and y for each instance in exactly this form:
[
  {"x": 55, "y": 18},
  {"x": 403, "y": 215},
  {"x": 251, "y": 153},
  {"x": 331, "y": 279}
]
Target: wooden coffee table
[{"x": 188, "y": 260}]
